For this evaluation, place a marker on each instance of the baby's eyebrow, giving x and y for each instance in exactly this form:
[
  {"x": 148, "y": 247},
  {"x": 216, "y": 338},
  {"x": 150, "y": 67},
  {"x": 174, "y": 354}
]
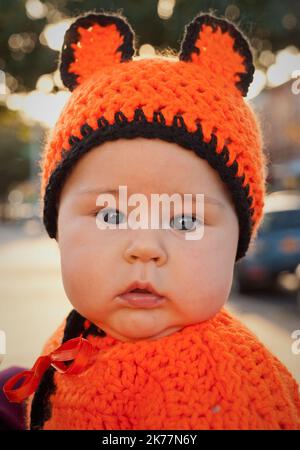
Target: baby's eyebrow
[{"x": 98, "y": 191}]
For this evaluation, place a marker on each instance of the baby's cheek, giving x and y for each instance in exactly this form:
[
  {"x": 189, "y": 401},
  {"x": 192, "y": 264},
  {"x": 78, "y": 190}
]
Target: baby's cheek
[
  {"x": 72, "y": 277},
  {"x": 76, "y": 270},
  {"x": 87, "y": 277},
  {"x": 205, "y": 279}
]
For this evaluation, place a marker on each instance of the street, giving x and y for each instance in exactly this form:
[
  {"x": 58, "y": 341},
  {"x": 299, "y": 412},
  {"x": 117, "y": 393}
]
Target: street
[{"x": 33, "y": 301}]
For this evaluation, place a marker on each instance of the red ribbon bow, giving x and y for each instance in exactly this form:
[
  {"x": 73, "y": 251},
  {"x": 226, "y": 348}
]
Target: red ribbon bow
[{"x": 78, "y": 349}]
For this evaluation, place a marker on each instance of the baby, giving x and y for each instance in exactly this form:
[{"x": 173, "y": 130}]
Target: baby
[{"x": 149, "y": 344}]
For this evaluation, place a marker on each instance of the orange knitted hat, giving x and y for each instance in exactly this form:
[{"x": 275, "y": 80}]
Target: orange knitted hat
[{"x": 195, "y": 101}]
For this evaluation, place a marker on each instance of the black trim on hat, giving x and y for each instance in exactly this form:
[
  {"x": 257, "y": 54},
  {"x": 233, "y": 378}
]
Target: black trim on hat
[
  {"x": 241, "y": 45},
  {"x": 41, "y": 408},
  {"x": 72, "y": 36},
  {"x": 140, "y": 127}
]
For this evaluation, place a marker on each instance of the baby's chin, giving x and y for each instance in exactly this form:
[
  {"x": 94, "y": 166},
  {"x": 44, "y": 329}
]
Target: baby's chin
[{"x": 127, "y": 334}]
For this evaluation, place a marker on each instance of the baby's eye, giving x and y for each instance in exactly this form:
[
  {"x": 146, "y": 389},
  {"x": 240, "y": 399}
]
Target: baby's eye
[
  {"x": 181, "y": 222},
  {"x": 109, "y": 215},
  {"x": 185, "y": 222}
]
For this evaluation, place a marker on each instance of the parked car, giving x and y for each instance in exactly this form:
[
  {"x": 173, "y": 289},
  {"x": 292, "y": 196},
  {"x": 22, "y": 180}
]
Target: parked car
[{"x": 275, "y": 254}]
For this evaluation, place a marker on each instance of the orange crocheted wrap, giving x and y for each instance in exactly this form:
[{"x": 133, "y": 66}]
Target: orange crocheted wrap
[
  {"x": 211, "y": 375},
  {"x": 196, "y": 100}
]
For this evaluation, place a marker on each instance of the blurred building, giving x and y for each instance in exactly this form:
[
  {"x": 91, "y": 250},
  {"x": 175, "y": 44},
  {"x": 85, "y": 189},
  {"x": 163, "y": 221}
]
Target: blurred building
[{"x": 279, "y": 112}]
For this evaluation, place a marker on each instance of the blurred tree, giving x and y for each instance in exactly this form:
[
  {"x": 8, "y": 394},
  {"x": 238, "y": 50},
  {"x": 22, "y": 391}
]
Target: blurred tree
[
  {"x": 271, "y": 25},
  {"x": 22, "y": 56},
  {"x": 25, "y": 55},
  {"x": 14, "y": 160}
]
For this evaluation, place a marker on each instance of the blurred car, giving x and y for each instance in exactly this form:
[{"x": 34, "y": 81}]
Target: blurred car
[{"x": 272, "y": 259}]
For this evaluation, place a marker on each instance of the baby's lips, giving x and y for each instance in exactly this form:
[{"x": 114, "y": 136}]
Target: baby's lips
[{"x": 141, "y": 285}]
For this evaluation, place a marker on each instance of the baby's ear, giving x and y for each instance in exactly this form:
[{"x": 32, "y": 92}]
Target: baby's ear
[
  {"x": 218, "y": 47},
  {"x": 93, "y": 42}
]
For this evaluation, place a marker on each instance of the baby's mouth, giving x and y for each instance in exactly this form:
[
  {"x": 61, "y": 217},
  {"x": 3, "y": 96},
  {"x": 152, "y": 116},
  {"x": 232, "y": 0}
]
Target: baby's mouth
[
  {"x": 142, "y": 291},
  {"x": 141, "y": 298}
]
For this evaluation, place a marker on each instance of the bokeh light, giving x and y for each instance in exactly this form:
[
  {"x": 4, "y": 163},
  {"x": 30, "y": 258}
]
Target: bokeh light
[
  {"x": 36, "y": 9},
  {"x": 257, "y": 85},
  {"x": 45, "y": 83},
  {"x": 287, "y": 61},
  {"x": 165, "y": 8},
  {"x": 54, "y": 34},
  {"x": 147, "y": 51}
]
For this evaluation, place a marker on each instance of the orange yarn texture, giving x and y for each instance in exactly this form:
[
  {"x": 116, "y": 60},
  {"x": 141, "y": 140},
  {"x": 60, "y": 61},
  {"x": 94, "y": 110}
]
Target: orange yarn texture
[
  {"x": 212, "y": 375},
  {"x": 203, "y": 90}
]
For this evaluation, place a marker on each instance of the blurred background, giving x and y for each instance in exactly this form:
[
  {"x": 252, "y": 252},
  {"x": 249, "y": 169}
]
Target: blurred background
[{"x": 266, "y": 289}]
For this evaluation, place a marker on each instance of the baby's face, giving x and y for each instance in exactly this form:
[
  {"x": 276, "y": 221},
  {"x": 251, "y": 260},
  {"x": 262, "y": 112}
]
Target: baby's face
[{"x": 194, "y": 276}]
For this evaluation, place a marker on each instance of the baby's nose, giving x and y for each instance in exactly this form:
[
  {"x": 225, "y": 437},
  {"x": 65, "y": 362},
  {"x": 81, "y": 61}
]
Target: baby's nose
[{"x": 145, "y": 249}]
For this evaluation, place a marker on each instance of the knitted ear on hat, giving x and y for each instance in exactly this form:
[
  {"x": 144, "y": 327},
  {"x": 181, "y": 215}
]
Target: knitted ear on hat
[
  {"x": 93, "y": 42},
  {"x": 221, "y": 48}
]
